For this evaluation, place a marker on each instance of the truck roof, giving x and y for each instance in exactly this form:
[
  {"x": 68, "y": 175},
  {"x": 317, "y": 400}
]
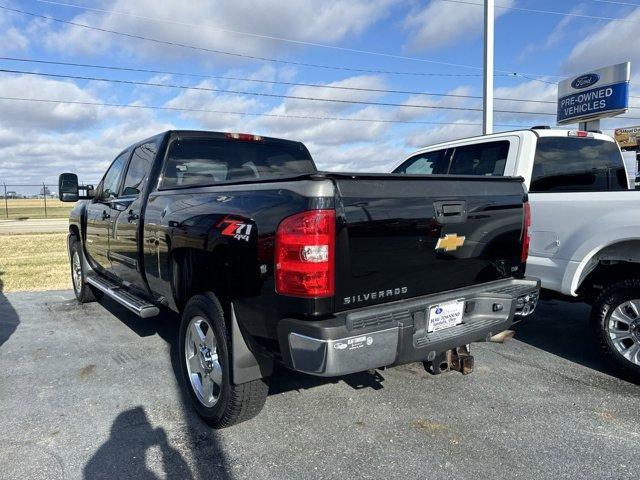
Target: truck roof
[
  {"x": 213, "y": 134},
  {"x": 538, "y": 131}
]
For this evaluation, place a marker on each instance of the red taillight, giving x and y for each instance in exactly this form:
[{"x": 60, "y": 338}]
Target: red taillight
[
  {"x": 247, "y": 137},
  {"x": 526, "y": 235},
  {"x": 305, "y": 251}
]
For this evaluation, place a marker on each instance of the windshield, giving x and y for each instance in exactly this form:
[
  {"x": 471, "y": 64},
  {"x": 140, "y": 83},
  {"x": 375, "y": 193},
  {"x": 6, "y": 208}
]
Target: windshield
[{"x": 205, "y": 161}]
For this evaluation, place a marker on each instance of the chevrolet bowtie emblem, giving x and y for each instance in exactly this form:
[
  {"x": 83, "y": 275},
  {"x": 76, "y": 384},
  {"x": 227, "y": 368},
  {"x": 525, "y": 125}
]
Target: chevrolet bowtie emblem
[{"x": 450, "y": 243}]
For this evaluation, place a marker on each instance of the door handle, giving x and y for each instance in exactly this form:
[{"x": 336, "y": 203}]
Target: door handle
[
  {"x": 132, "y": 216},
  {"x": 105, "y": 215}
]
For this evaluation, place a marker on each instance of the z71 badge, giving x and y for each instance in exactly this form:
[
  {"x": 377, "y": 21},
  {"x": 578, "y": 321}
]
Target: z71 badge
[{"x": 237, "y": 229}]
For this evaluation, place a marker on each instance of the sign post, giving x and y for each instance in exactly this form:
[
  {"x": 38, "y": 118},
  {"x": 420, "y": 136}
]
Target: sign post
[
  {"x": 591, "y": 96},
  {"x": 487, "y": 98}
]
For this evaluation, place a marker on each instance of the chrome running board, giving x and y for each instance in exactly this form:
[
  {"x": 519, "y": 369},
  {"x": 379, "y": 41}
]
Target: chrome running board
[{"x": 137, "y": 305}]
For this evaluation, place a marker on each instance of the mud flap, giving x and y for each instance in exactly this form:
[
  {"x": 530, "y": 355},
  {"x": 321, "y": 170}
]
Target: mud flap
[{"x": 247, "y": 366}]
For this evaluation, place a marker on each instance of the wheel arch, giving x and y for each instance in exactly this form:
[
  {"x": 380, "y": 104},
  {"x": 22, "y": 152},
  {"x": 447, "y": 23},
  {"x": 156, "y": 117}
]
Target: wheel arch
[
  {"x": 616, "y": 261},
  {"x": 197, "y": 271}
]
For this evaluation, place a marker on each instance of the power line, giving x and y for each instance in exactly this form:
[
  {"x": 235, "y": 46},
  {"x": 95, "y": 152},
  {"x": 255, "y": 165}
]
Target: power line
[
  {"x": 253, "y": 114},
  {"x": 548, "y": 12},
  {"x": 271, "y": 82},
  {"x": 216, "y": 51},
  {"x": 252, "y": 34},
  {"x": 615, "y": 2},
  {"x": 255, "y": 57},
  {"x": 268, "y": 37},
  {"x": 270, "y": 95}
]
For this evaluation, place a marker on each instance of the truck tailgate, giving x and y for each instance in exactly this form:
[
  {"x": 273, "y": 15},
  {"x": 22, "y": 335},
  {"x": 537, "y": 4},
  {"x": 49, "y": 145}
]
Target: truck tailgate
[{"x": 402, "y": 236}]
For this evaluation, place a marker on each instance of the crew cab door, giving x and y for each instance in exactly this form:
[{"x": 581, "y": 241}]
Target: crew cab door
[
  {"x": 124, "y": 246},
  {"x": 99, "y": 213}
]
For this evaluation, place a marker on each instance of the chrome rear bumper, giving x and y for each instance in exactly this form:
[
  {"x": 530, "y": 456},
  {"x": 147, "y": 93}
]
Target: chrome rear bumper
[{"x": 396, "y": 333}]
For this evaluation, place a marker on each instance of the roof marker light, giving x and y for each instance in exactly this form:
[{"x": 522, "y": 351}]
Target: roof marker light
[
  {"x": 243, "y": 136},
  {"x": 579, "y": 133}
]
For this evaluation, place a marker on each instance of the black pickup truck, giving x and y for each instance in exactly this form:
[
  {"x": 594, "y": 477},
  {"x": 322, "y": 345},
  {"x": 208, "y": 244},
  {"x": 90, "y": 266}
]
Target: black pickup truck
[{"x": 268, "y": 260}]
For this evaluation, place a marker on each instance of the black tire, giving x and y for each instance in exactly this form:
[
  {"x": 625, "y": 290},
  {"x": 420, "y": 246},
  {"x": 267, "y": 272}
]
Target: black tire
[
  {"x": 84, "y": 292},
  {"x": 611, "y": 298},
  {"x": 235, "y": 403}
]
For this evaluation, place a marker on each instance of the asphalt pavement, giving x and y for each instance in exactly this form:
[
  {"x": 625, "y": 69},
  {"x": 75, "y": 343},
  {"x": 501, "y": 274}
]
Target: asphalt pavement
[
  {"x": 91, "y": 392},
  {"x": 36, "y": 225}
]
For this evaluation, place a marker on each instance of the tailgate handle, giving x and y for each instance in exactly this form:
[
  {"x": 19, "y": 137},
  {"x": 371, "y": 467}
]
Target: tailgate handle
[{"x": 448, "y": 211}]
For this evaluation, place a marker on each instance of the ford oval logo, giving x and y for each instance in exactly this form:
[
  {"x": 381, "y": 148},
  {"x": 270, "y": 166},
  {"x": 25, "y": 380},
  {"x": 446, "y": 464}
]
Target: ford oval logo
[{"x": 585, "y": 81}]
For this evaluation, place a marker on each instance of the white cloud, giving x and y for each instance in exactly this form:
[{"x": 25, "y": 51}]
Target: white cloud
[
  {"x": 39, "y": 140},
  {"x": 380, "y": 156},
  {"x": 616, "y": 42},
  {"x": 49, "y": 116},
  {"x": 559, "y": 32},
  {"x": 329, "y": 21},
  {"x": 12, "y": 39},
  {"x": 443, "y": 133},
  {"x": 531, "y": 90},
  {"x": 444, "y": 23},
  {"x": 204, "y": 100}
]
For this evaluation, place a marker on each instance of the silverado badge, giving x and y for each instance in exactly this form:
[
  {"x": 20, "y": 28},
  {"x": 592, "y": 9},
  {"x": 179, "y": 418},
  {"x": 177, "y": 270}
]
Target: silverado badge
[{"x": 450, "y": 242}]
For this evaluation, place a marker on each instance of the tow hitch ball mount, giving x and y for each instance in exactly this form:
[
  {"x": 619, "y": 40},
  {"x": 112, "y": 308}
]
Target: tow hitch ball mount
[{"x": 457, "y": 359}]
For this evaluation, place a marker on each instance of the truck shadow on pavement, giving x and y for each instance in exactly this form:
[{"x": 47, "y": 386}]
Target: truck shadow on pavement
[
  {"x": 132, "y": 434},
  {"x": 562, "y": 329},
  {"x": 9, "y": 319}
]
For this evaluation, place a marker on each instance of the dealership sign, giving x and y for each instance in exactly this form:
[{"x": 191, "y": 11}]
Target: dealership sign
[
  {"x": 627, "y": 138},
  {"x": 597, "y": 94}
]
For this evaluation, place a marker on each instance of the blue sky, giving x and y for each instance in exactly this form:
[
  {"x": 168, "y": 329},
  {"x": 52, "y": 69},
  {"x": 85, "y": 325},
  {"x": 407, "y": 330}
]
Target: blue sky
[{"x": 38, "y": 140}]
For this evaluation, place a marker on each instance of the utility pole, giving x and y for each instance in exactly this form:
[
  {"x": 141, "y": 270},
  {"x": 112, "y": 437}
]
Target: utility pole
[
  {"x": 6, "y": 202},
  {"x": 487, "y": 111}
]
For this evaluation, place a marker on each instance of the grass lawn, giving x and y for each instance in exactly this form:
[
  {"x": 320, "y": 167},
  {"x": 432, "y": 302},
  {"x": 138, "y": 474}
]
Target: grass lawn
[
  {"x": 22, "y": 208},
  {"x": 31, "y": 262}
]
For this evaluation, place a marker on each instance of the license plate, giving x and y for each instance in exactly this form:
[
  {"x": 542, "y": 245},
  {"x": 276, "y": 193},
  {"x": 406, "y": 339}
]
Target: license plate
[{"x": 445, "y": 315}]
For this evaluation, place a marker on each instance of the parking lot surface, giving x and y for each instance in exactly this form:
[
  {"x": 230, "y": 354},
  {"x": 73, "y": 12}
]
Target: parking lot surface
[{"x": 91, "y": 392}]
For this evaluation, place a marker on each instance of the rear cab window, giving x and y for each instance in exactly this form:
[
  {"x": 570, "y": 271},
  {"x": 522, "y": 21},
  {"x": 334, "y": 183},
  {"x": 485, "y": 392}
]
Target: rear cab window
[
  {"x": 568, "y": 164},
  {"x": 485, "y": 159},
  {"x": 205, "y": 161}
]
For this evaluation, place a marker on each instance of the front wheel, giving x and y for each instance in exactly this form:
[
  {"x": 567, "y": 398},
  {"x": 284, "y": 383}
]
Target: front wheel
[
  {"x": 615, "y": 316},
  {"x": 205, "y": 353},
  {"x": 84, "y": 293}
]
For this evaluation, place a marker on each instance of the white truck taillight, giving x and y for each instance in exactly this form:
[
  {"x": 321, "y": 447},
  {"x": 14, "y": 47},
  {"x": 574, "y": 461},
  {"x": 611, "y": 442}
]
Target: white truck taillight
[
  {"x": 304, "y": 256},
  {"x": 526, "y": 234}
]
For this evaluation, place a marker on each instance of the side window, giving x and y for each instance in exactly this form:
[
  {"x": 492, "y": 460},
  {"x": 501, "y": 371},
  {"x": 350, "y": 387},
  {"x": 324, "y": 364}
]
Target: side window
[
  {"x": 566, "y": 164},
  {"x": 487, "y": 158},
  {"x": 111, "y": 180},
  {"x": 424, "y": 164},
  {"x": 139, "y": 168}
]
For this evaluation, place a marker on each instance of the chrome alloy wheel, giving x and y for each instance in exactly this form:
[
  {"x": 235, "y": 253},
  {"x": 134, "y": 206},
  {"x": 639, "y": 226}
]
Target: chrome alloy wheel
[
  {"x": 623, "y": 328},
  {"x": 203, "y": 364},
  {"x": 76, "y": 271}
]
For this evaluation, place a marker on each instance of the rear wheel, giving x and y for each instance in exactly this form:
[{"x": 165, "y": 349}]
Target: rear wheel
[
  {"x": 205, "y": 353},
  {"x": 616, "y": 319},
  {"x": 84, "y": 293}
]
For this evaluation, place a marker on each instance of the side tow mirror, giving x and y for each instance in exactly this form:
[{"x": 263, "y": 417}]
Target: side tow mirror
[{"x": 68, "y": 190}]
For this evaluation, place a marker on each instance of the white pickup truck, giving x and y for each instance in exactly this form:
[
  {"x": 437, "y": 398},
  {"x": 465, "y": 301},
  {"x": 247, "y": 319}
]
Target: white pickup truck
[{"x": 585, "y": 233}]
